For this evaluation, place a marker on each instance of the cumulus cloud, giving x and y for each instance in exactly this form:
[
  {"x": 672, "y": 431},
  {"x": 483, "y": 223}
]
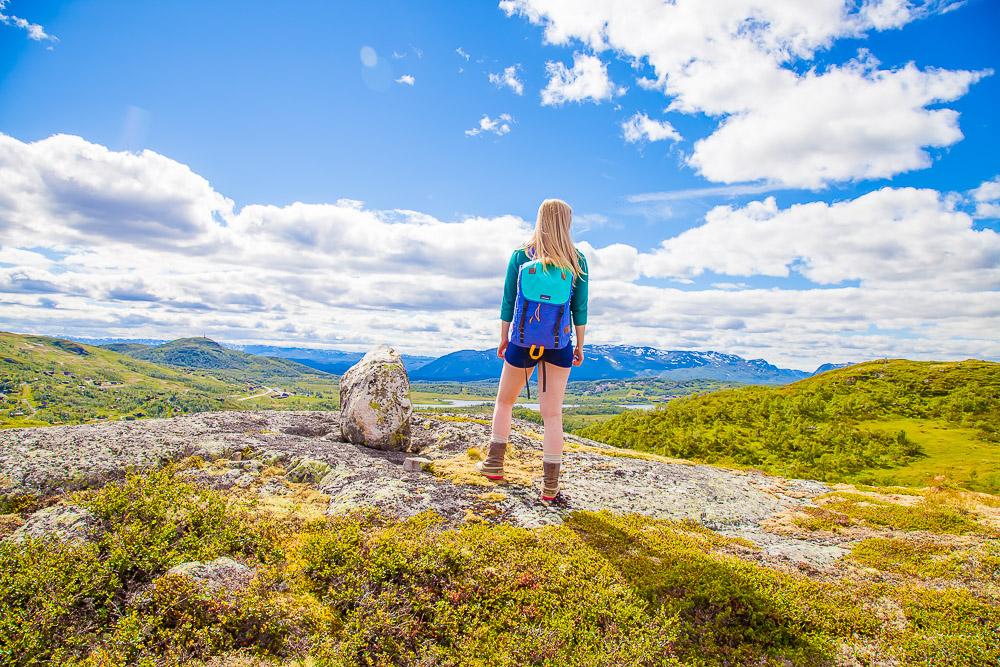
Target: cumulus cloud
[
  {"x": 498, "y": 126},
  {"x": 848, "y": 123},
  {"x": 641, "y": 127},
  {"x": 586, "y": 80},
  {"x": 508, "y": 78},
  {"x": 893, "y": 237},
  {"x": 35, "y": 31},
  {"x": 462, "y": 53},
  {"x": 95, "y": 242},
  {"x": 741, "y": 63},
  {"x": 987, "y": 199},
  {"x": 406, "y": 79}
]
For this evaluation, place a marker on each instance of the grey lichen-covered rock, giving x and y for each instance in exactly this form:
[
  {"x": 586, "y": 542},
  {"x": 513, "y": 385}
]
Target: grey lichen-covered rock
[
  {"x": 45, "y": 461},
  {"x": 221, "y": 573},
  {"x": 415, "y": 463},
  {"x": 308, "y": 471},
  {"x": 375, "y": 407},
  {"x": 61, "y": 522}
]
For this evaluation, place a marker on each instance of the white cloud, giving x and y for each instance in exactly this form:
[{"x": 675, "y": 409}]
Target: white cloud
[
  {"x": 890, "y": 238},
  {"x": 508, "y": 78},
  {"x": 103, "y": 243},
  {"x": 35, "y": 31},
  {"x": 744, "y": 63},
  {"x": 498, "y": 126},
  {"x": 406, "y": 79},
  {"x": 987, "y": 199},
  {"x": 586, "y": 80},
  {"x": 698, "y": 193},
  {"x": 848, "y": 123},
  {"x": 641, "y": 127},
  {"x": 462, "y": 53}
]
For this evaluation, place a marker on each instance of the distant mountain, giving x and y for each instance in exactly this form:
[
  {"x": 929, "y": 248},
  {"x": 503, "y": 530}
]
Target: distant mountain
[
  {"x": 108, "y": 342},
  {"x": 329, "y": 361},
  {"x": 603, "y": 362},
  {"x": 831, "y": 367},
  {"x": 464, "y": 365},
  {"x": 621, "y": 362},
  {"x": 207, "y": 355}
]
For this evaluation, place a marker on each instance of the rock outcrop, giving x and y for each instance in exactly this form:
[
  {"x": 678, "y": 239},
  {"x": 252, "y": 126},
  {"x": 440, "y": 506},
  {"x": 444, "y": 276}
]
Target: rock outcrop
[
  {"x": 221, "y": 573},
  {"x": 282, "y": 455},
  {"x": 375, "y": 402},
  {"x": 61, "y": 522}
]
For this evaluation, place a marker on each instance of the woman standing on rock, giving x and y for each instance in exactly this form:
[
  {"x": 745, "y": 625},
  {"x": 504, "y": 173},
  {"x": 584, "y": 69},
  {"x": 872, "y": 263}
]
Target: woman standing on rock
[{"x": 545, "y": 298}]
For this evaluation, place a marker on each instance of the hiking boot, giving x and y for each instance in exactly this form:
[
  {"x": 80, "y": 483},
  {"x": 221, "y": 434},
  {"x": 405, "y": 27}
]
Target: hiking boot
[
  {"x": 492, "y": 466},
  {"x": 550, "y": 481}
]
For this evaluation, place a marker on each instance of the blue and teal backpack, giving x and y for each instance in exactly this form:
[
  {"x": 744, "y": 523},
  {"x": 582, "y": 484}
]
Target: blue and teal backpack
[{"x": 541, "y": 310}]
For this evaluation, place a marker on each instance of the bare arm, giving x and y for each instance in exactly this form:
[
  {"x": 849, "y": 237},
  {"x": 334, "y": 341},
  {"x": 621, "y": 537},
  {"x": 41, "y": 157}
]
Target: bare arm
[
  {"x": 504, "y": 334},
  {"x": 578, "y": 350}
]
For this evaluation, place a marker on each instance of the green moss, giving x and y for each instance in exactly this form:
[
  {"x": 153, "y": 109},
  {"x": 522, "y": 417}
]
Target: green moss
[
  {"x": 931, "y": 514},
  {"x": 55, "y": 599},
  {"x": 155, "y": 521},
  {"x": 16, "y": 504},
  {"x": 458, "y": 418},
  {"x": 176, "y": 621},
  {"x": 927, "y": 560}
]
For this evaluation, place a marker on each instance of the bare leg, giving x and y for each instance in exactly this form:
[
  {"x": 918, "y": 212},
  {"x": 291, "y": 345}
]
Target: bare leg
[
  {"x": 512, "y": 381},
  {"x": 551, "y": 404}
]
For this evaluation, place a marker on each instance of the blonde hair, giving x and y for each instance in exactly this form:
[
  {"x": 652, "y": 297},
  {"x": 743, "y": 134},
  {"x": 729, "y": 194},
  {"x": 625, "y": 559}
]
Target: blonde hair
[{"x": 551, "y": 241}]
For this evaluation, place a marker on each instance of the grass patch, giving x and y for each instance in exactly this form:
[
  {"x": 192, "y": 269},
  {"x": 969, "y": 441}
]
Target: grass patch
[
  {"x": 521, "y": 467},
  {"x": 927, "y": 560},
  {"x": 945, "y": 512},
  {"x": 952, "y": 455}
]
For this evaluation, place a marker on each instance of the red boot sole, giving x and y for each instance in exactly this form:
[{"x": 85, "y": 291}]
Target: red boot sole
[{"x": 495, "y": 478}]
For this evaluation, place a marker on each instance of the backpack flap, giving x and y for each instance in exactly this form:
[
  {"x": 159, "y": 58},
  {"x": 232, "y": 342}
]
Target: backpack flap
[{"x": 545, "y": 285}]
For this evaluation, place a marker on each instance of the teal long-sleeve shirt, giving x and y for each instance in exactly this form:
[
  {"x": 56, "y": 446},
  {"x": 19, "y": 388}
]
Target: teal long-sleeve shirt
[{"x": 577, "y": 304}]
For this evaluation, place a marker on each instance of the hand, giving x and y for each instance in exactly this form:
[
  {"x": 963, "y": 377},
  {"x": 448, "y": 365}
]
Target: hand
[
  {"x": 502, "y": 347},
  {"x": 577, "y": 356}
]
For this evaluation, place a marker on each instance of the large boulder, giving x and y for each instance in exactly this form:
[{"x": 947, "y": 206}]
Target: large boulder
[{"x": 375, "y": 406}]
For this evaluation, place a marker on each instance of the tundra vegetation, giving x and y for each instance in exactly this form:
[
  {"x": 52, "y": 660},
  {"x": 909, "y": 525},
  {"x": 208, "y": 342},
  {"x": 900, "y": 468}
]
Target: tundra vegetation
[
  {"x": 600, "y": 589},
  {"x": 881, "y": 422}
]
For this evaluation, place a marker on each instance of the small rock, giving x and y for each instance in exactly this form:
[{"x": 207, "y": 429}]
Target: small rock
[
  {"x": 308, "y": 471},
  {"x": 63, "y": 522},
  {"x": 375, "y": 402},
  {"x": 415, "y": 463},
  {"x": 221, "y": 573}
]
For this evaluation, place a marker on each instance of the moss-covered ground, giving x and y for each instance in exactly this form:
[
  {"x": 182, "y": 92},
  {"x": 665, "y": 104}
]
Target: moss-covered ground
[{"x": 600, "y": 589}]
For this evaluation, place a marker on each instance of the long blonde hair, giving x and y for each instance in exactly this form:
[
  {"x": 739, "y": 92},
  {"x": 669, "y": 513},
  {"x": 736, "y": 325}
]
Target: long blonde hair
[{"x": 552, "y": 241}]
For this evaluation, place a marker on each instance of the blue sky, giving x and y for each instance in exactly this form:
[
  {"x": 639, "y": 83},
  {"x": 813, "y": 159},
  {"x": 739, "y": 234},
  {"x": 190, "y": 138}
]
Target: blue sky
[{"x": 267, "y": 105}]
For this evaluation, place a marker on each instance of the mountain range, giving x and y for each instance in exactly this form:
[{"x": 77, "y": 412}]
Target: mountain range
[
  {"x": 622, "y": 362},
  {"x": 602, "y": 362}
]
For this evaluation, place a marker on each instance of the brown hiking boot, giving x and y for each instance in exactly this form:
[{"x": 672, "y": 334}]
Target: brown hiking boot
[
  {"x": 550, "y": 481},
  {"x": 492, "y": 466}
]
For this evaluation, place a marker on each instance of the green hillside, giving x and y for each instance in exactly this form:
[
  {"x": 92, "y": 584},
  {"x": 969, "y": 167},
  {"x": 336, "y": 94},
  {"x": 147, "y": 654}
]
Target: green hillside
[
  {"x": 47, "y": 381},
  {"x": 886, "y": 422},
  {"x": 207, "y": 355}
]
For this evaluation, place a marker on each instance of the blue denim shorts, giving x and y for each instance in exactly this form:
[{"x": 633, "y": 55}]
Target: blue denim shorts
[{"x": 518, "y": 356}]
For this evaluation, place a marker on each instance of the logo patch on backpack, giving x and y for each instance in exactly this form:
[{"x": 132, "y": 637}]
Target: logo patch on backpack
[{"x": 545, "y": 297}]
